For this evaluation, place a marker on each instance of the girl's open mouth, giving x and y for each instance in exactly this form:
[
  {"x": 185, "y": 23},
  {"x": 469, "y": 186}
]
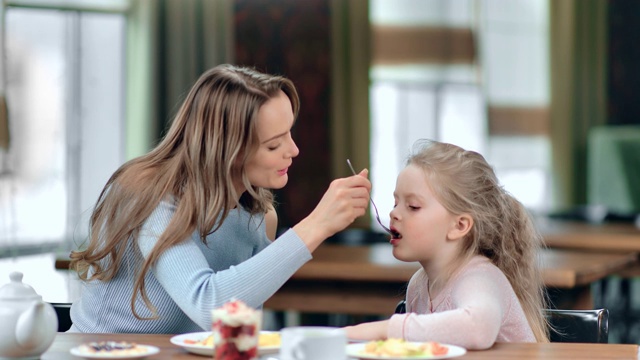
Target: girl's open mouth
[{"x": 395, "y": 235}]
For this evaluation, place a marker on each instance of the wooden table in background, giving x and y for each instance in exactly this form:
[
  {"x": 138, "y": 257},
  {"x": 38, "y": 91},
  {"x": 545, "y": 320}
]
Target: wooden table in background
[
  {"x": 614, "y": 237},
  {"x": 64, "y": 342},
  {"x": 368, "y": 280},
  {"x": 609, "y": 236}
]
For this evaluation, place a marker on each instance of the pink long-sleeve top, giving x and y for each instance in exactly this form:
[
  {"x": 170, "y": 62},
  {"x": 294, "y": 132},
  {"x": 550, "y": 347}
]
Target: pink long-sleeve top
[{"x": 476, "y": 308}]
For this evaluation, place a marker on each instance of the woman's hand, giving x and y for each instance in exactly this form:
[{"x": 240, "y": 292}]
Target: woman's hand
[
  {"x": 344, "y": 201},
  {"x": 376, "y": 330}
]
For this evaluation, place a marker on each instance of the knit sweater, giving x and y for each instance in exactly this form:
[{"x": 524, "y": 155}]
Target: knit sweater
[
  {"x": 191, "y": 278},
  {"x": 475, "y": 309}
]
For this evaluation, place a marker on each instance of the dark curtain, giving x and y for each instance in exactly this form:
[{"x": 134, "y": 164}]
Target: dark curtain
[
  {"x": 578, "y": 91},
  {"x": 170, "y": 43},
  {"x": 292, "y": 38},
  {"x": 624, "y": 57}
]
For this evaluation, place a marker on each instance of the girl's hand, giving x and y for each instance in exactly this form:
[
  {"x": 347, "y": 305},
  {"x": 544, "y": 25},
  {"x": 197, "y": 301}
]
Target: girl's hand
[
  {"x": 344, "y": 201},
  {"x": 370, "y": 331}
]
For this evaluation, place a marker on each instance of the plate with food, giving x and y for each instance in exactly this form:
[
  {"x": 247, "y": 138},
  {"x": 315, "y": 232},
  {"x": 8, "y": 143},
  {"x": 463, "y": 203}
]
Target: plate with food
[
  {"x": 120, "y": 350},
  {"x": 201, "y": 343},
  {"x": 398, "y": 349}
]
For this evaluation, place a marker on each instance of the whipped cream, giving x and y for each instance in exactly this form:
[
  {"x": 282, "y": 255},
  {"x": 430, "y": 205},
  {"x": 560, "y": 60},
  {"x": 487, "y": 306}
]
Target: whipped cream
[{"x": 236, "y": 313}]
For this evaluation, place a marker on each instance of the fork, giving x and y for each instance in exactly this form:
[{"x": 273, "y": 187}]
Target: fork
[{"x": 372, "y": 203}]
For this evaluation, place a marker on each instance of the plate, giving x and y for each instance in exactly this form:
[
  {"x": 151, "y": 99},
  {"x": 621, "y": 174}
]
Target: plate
[
  {"x": 355, "y": 350},
  {"x": 81, "y": 351},
  {"x": 207, "y": 350}
]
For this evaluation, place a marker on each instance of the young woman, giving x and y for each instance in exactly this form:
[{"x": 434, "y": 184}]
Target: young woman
[
  {"x": 479, "y": 282},
  {"x": 187, "y": 227}
]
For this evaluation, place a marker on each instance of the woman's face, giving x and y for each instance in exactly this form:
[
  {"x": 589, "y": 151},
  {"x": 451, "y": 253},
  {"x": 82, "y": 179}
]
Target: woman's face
[{"x": 269, "y": 165}]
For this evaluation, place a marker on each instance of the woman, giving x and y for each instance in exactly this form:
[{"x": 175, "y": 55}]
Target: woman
[{"x": 187, "y": 227}]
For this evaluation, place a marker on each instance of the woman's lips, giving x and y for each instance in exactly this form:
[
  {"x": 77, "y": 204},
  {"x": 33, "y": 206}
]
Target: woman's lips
[{"x": 283, "y": 171}]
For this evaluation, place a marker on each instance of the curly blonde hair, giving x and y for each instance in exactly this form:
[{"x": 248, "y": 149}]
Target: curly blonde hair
[{"x": 503, "y": 231}]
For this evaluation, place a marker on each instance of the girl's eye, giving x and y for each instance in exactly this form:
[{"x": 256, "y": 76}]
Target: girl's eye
[{"x": 414, "y": 207}]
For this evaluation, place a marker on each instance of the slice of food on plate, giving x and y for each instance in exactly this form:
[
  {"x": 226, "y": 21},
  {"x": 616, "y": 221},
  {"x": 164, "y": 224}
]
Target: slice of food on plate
[
  {"x": 265, "y": 339},
  {"x": 113, "y": 348},
  {"x": 402, "y": 348},
  {"x": 269, "y": 339}
]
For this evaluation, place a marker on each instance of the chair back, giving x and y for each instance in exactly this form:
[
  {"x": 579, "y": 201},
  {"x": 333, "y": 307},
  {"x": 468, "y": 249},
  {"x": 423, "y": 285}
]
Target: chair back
[
  {"x": 578, "y": 326},
  {"x": 571, "y": 326},
  {"x": 64, "y": 315}
]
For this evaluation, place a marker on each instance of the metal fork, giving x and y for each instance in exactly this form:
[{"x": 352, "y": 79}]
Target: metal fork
[{"x": 372, "y": 203}]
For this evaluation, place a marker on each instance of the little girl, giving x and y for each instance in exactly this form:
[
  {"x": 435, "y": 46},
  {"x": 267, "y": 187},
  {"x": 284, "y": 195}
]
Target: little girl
[{"x": 479, "y": 282}]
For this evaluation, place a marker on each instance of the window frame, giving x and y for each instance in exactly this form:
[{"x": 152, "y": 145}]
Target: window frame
[{"x": 73, "y": 213}]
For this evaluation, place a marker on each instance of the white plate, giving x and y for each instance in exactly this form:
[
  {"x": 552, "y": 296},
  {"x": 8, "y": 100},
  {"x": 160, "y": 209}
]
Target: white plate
[
  {"x": 208, "y": 351},
  {"x": 355, "y": 350},
  {"x": 82, "y": 352}
]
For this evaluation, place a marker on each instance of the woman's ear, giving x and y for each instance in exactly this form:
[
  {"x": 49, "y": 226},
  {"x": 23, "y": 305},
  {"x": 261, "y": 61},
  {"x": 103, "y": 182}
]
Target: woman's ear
[{"x": 461, "y": 227}]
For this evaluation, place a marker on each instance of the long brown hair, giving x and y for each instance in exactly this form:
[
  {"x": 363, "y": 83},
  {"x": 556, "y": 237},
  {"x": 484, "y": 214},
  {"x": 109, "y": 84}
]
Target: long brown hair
[
  {"x": 205, "y": 149},
  {"x": 464, "y": 183}
]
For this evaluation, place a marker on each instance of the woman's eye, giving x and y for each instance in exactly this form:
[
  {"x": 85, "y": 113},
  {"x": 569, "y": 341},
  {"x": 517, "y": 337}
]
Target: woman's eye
[{"x": 272, "y": 147}]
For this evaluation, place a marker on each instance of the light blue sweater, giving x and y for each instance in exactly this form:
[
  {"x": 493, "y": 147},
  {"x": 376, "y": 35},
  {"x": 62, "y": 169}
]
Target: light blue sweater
[{"x": 191, "y": 278}]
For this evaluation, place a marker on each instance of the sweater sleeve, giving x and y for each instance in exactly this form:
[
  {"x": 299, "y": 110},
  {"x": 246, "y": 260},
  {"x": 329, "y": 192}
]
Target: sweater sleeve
[
  {"x": 185, "y": 275},
  {"x": 474, "y": 323}
]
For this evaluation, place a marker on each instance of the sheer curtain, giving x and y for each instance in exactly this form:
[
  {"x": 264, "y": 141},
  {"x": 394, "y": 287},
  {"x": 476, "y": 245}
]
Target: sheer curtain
[
  {"x": 170, "y": 43},
  {"x": 578, "y": 91},
  {"x": 350, "y": 125},
  {"x": 425, "y": 84},
  {"x": 63, "y": 85}
]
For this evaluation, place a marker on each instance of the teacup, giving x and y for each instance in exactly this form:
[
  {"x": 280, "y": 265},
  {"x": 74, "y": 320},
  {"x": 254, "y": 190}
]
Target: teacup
[{"x": 313, "y": 343}]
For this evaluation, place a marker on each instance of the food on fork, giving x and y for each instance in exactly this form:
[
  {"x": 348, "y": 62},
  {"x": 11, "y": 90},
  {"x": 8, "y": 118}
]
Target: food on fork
[
  {"x": 236, "y": 327},
  {"x": 399, "y": 347}
]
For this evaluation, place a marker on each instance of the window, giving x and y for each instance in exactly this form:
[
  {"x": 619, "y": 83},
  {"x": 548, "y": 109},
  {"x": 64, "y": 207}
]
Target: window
[
  {"x": 480, "y": 66},
  {"x": 64, "y": 90}
]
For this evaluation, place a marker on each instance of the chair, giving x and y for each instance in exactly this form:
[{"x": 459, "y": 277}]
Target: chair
[
  {"x": 570, "y": 326},
  {"x": 578, "y": 326},
  {"x": 64, "y": 317}
]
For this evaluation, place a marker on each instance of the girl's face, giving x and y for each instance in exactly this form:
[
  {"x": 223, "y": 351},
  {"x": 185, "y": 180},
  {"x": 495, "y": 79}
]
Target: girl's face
[
  {"x": 422, "y": 222},
  {"x": 268, "y": 167}
]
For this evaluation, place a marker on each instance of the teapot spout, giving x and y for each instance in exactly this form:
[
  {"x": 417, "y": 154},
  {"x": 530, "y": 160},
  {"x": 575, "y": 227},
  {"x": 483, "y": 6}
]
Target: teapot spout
[{"x": 35, "y": 326}]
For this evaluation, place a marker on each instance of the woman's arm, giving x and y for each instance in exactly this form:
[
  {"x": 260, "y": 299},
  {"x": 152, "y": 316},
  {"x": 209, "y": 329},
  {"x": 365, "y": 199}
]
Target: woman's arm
[{"x": 186, "y": 276}]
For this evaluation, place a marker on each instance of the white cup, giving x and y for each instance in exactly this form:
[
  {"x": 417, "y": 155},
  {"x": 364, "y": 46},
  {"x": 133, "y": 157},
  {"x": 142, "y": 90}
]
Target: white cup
[{"x": 313, "y": 343}]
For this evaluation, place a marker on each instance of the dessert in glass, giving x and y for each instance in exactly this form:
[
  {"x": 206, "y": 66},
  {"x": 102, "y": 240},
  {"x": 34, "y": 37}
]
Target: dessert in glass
[{"x": 236, "y": 330}]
